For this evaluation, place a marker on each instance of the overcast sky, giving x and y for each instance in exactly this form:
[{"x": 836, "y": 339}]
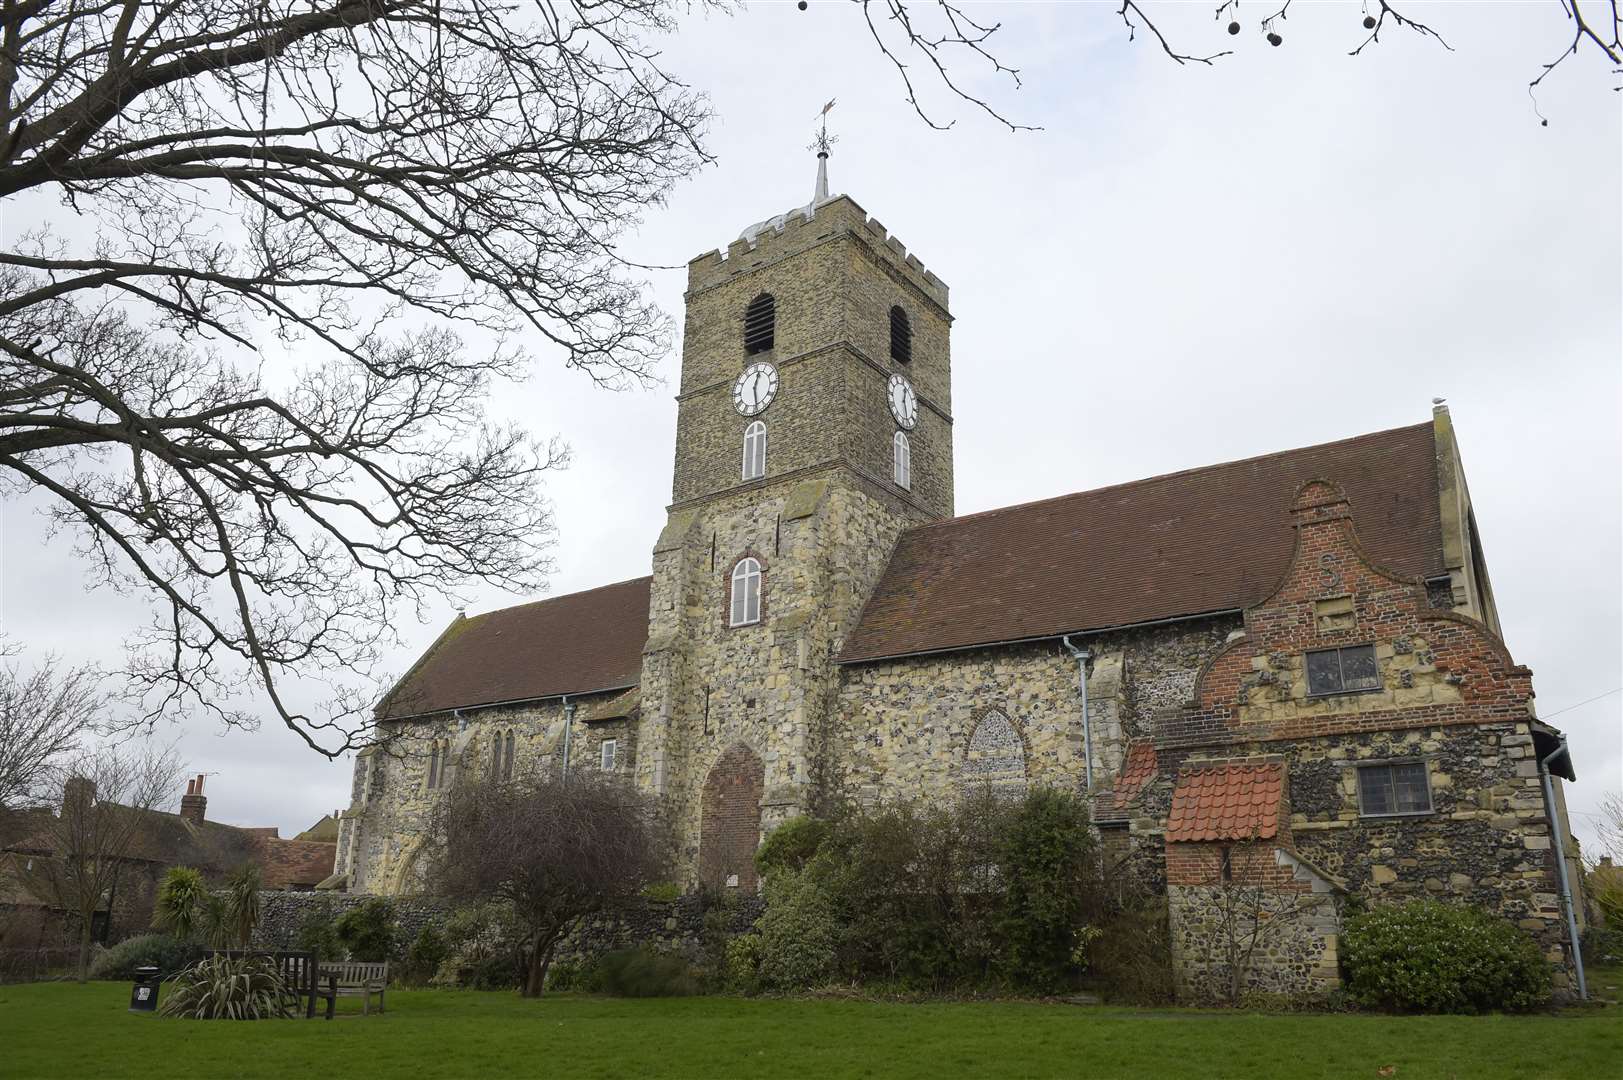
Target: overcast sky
[{"x": 1186, "y": 265}]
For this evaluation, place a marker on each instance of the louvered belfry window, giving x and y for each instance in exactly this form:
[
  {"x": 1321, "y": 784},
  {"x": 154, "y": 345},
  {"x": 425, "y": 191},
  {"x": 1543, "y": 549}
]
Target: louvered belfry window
[
  {"x": 760, "y": 324},
  {"x": 901, "y": 336}
]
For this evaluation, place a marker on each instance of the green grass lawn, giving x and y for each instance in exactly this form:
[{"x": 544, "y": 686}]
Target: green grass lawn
[{"x": 67, "y": 1030}]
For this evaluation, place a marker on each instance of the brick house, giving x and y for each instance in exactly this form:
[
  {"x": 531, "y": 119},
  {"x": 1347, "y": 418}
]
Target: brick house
[
  {"x": 1283, "y": 673},
  {"x": 160, "y": 840}
]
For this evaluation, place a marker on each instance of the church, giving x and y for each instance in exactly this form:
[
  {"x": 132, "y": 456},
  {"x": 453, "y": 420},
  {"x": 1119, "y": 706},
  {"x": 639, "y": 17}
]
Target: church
[{"x": 1285, "y": 673}]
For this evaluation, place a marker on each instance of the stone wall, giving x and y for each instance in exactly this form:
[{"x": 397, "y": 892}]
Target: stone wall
[{"x": 281, "y": 913}]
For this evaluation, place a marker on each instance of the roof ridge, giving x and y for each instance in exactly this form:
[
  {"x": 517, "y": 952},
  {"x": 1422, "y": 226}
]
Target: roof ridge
[
  {"x": 561, "y": 596},
  {"x": 1158, "y": 477}
]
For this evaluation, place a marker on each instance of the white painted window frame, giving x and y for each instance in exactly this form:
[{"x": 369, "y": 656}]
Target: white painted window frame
[
  {"x": 754, "y": 466},
  {"x": 744, "y": 606},
  {"x": 901, "y": 461}
]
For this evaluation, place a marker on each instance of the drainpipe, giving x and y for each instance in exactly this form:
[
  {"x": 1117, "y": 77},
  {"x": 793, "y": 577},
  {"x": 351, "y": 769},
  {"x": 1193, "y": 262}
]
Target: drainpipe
[
  {"x": 1561, "y": 863},
  {"x": 569, "y": 725},
  {"x": 1082, "y": 657}
]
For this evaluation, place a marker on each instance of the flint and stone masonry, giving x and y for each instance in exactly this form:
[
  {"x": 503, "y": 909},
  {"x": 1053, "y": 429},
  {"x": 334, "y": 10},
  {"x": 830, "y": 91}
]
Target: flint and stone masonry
[{"x": 904, "y": 653}]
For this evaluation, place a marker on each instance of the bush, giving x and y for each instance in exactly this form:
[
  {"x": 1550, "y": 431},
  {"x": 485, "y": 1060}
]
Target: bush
[
  {"x": 483, "y": 949},
  {"x": 797, "y": 933},
  {"x": 640, "y": 973},
  {"x": 743, "y": 965},
  {"x": 662, "y": 892},
  {"x": 791, "y": 845},
  {"x": 424, "y": 957},
  {"x": 316, "y": 934},
  {"x": 368, "y": 931},
  {"x": 1131, "y": 960},
  {"x": 1045, "y": 860},
  {"x": 167, "y": 954},
  {"x": 1427, "y": 956},
  {"x": 229, "y": 988}
]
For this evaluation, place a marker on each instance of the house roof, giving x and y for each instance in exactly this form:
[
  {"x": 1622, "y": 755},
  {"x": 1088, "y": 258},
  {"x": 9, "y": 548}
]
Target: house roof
[
  {"x": 575, "y": 644},
  {"x": 1226, "y": 802},
  {"x": 287, "y": 863},
  {"x": 1136, "y": 771},
  {"x": 1190, "y": 543}
]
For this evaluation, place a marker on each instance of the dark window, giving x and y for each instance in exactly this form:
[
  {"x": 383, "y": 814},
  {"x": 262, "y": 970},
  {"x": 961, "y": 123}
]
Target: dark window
[
  {"x": 901, "y": 336},
  {"x": 760, "y": 324},
  {"x": 1394, "y": 789},
  {"x": 1337, "y": 671},
  {"x": 507, "y": 762},
  {"x": 434, "y": 767}
]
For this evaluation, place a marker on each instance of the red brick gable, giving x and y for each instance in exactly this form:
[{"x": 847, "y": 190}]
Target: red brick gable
[
  {"x": 1189, "y": 543},
  {"x": 1434, "y": 667},
  {"x": 1226, "y": 802}
]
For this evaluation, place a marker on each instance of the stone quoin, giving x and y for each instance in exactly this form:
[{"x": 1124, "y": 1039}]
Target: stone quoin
[{"x": 1295, "y": 675}]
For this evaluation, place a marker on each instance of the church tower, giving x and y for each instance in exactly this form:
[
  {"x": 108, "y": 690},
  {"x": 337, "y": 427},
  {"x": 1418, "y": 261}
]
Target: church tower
[{"x": 814, "y": 424}]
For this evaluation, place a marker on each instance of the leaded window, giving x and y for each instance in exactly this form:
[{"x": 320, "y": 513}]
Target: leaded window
[
  {"x": 746, "y": 594},
  {"x": 755, "y": 451},
  {"x": 1394, "y": 788},
  {"x": 1340, "y": 671}
]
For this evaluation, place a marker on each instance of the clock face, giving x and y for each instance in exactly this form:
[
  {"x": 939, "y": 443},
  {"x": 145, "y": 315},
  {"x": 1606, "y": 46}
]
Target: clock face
[
  {"x": 755, "y": 388},
  {"x": 904, "y": 404}
]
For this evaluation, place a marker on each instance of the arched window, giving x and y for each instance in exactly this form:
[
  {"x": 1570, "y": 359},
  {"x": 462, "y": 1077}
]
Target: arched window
[
  {"x": 434, "y": 767},
  {"x": 746, "y": 605},
  {"x": 507, "y": 759},
  {"x": 755, "y": 451},
  {"x": 901, "y": 336},
  {"x": 902, "y": 460},
  {"x": 760, "y": 324},
  {"x": 995, "y": 756},
  {"x": 496, "y": 757}
]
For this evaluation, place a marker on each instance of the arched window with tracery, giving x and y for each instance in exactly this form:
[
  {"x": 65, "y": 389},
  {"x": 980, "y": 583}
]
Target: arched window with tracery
[
  {"x": 760, "y": 324},
  {"x": 902, "y": 460},
  {"x": 746, "y": 593},
  {"x": 755, "y": 450},
  {"x": 901, "y": 336}
]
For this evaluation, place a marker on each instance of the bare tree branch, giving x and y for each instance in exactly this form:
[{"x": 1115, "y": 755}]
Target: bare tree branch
[{"x": 44, "y": 716}]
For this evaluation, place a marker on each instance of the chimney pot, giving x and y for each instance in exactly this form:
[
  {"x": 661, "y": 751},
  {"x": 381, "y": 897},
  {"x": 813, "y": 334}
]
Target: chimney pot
[{"x": 193, "y": 805}]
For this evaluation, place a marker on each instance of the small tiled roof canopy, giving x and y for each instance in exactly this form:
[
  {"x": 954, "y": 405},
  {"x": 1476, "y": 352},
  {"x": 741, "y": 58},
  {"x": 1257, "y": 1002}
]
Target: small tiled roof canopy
[
  {"x": 1226, "y": 802},
  {"x": 576, "y": 644},
  {"x": 1189, "y": 543}
]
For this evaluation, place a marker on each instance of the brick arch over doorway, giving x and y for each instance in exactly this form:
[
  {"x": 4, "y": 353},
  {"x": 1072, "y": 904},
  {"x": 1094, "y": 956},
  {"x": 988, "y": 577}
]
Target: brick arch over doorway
[{"x": 730, "y": 819}]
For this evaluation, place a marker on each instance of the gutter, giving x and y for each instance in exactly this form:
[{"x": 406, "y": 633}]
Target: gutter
[
  {"x": 1082, "y": 657},
  {"x": 1557, "y": 838}
]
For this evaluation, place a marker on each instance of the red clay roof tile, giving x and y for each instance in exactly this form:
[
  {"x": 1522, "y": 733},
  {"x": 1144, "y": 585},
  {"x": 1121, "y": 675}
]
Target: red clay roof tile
[
  {"x": 572, "y": 644},
  {"x": 1189, "y": 543},
  {"x": 1226, "y": 802}
]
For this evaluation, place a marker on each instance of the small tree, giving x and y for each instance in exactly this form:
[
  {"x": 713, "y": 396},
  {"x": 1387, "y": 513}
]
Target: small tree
[
  {"x": 555, "y": 850},
  {"x": 1247, "y": 914},
  {"x": 104, "y": 815}
]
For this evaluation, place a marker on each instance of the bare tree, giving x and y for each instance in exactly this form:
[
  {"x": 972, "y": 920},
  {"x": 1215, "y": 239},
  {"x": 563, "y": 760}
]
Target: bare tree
[
  {"x": 88, "y": 846},
  {"x": 555, "y": 850},
  {"x": 1245, "y": 914},
  {"x": 44, "y": 714}
]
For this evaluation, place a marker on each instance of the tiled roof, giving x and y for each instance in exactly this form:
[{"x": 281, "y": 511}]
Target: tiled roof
[
  {"x": 287, "y": 863},
  {"x": 1189, "y": 543},
  {"x": 570, "y": 644},
  {"x": 1226, "y": 802},
  {"x": 1136, "y": 770}
]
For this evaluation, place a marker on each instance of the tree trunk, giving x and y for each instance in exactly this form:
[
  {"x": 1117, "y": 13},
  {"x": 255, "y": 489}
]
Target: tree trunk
[
  {"x": 84, "y": 946},
  {"x": 540, "y": 961}
]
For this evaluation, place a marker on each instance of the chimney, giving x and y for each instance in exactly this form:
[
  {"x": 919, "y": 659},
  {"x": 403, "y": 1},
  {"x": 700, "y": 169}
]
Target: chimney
[
  {"x": 78, "y": 793},
  {"x": 192, "y": 804}
]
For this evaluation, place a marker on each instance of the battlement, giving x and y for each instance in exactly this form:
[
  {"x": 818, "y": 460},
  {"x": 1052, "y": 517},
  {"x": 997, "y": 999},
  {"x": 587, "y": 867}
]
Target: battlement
[{"x": 795, "y": 231}]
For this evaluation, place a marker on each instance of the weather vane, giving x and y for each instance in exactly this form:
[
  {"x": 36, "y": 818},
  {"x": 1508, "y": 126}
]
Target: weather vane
[{"x": 824, "y": 140}]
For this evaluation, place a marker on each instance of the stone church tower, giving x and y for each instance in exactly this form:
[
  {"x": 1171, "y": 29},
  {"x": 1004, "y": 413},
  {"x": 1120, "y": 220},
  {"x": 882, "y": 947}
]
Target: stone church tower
[{"x": 814, "y": 424}]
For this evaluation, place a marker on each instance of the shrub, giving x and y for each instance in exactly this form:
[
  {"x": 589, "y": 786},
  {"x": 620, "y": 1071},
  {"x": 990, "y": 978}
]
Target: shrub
[
  {"x": 797, "y": 932},
  {"x": 662, "y": 892},
  {"x": 791, "y": 845},
  {"x": 639, "y": 973},
  {"x": 1131, "y": 960},
  {"x": 316, "y": 934},
  {"x": 424, "y": 957},
  {"x": 563, "y": 976},
  {"x": 182, "y": 903},
  {"x": 1427, "y": 956},
  {"x": 483, "y": 944},
  {"x": 228, "y": 988},
  {"x": 742, "y": 971},
  {"x": 167, "y": 954},
  {"x": 1045, "y": 859},
  {"x": 368, "y": 930}
]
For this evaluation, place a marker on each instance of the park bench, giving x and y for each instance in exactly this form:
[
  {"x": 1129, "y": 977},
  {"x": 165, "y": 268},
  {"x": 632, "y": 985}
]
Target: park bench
[{"x": 353, "y": 979}]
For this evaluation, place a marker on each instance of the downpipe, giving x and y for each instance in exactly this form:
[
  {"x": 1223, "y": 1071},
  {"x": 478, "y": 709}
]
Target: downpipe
[
  {"x": 1561, "y": 864},
  {"x": 1082, "y": 656}
]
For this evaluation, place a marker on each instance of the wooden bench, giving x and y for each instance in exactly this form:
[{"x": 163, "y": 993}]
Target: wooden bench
[
  {"x": 298, "y": 971},
  {"x": 354, "y": 979}
]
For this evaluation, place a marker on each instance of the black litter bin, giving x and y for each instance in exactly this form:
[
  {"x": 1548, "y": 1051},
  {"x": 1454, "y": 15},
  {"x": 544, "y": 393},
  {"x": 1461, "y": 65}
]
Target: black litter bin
[{"x": 144, "y": 994}]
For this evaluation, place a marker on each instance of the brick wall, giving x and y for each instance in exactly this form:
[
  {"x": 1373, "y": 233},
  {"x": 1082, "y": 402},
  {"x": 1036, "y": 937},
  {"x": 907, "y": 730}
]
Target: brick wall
[{"x": 730, "y": 822}]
